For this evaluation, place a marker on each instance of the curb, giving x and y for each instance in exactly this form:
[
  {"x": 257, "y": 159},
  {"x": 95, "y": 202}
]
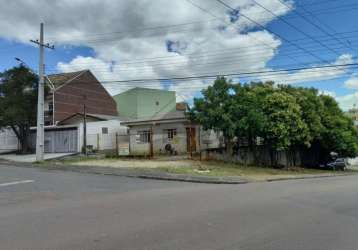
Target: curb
[
  {"x": 158, "y": 175},
  {"x": 307, "y": 177},
  {"x": 132, "y": 173},
  {"x": 154, "y": 175}
]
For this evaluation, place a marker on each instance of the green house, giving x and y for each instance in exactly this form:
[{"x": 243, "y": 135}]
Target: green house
[{"x": 143, "y": 102}]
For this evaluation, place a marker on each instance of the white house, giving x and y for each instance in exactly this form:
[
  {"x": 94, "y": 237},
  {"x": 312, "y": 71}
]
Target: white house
[{"x": 103, "y": 132}]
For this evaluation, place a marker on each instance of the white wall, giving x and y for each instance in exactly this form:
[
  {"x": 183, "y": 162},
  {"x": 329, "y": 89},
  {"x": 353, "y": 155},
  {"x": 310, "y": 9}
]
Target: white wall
[
  {"x": 97, "y": 139},
  {"x": 160, "y": 139},
  {"x": 8, "y": 141}
]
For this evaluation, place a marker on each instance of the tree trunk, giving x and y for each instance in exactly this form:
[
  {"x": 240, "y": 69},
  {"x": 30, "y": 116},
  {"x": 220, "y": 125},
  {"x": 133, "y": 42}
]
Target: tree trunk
[
  {"x": 253, "y": 148},
  {"x": 273, "y": 157},
  {"x": 22, "y": 134}
]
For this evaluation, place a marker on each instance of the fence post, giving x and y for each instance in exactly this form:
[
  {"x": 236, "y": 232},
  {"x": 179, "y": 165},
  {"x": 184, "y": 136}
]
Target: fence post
[
  {"x": 190, "y": 143},
  {"x": 98, "y": 144},
  {"x": 199, "y": 142},
  {"x": 151, "y": 142},
  {"x": 117, "y": 148}
]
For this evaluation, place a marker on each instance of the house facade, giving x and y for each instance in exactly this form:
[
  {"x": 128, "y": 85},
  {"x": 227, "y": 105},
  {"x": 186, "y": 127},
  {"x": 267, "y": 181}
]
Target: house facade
[
  {"x": 170, "y": 133},
  {"x": 157, "y": 124},
  {"x": 69, "y": 92}
]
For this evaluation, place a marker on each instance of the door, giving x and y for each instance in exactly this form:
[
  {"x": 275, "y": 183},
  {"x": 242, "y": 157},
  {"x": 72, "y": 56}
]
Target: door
[{"x": 191, "y": 139}]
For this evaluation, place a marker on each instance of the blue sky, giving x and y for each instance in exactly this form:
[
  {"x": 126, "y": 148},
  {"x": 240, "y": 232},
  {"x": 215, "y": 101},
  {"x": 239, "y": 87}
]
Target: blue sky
[
  {"x": 93, "y": 39},
  {"x": 339, "y": 21}
]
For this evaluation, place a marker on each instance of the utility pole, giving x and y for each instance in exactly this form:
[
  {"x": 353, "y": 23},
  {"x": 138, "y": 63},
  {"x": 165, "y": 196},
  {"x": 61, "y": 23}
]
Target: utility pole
[
  {"x": 40, "y": 99},
  {"x": 84, "y": 126}
]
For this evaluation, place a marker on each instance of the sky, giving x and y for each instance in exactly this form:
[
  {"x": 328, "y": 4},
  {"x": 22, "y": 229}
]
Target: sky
[{"x": 122, "y": 41}]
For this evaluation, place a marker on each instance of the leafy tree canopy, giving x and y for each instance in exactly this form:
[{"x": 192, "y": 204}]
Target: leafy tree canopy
[
  {"x": 287, "y": 118},
  {"x": 18, "y": 101}
]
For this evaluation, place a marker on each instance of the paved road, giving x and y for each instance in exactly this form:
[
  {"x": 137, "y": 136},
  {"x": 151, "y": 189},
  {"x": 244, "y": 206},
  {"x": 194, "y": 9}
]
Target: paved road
[{"x": 63, "y": 210}]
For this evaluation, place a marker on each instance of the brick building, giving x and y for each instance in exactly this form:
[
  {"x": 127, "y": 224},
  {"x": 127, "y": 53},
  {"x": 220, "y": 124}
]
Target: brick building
[{"x": 70, "y": 91}]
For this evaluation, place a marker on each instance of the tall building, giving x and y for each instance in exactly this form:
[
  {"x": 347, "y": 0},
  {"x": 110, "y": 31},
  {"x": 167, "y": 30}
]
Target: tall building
[{"x": 70, "y": 91}]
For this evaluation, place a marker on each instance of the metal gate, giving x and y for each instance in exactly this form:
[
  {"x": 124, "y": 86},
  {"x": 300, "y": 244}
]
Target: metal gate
[{"x": 58, "y": 140}]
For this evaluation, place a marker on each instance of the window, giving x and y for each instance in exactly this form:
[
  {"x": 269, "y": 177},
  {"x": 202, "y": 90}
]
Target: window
[
  {"x": 105, "y": 131},
  {"x": 171, "y": 133},
  {"x": 143, "y": 136}
]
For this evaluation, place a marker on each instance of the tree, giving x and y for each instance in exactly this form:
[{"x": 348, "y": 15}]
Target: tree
[
  {"x": 284, "y": 128},
  {"x": 248, "y": 113},
  {"x": 339, "y": 134},
  {"x": 18, "y": 102},
  {"x": 297, "y": 121},
  {"x": 214, "y": 109}
]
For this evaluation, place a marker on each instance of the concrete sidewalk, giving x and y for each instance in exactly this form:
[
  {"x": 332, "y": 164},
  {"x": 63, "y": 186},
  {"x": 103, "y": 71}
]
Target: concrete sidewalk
[{"x": 31, "y": 158}]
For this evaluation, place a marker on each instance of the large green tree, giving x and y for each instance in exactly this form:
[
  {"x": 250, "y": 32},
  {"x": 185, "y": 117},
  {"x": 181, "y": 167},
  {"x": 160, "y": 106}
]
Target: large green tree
[
  {"x": 285, "y": 127},
  {"x": 294, "y": 120},
  {"x": 339, "y": 134},
  {"x": 18, "y": 102}
]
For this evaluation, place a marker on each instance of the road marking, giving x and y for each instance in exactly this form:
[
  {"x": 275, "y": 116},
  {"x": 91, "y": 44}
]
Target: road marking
[{"x": 15, "y": 183}]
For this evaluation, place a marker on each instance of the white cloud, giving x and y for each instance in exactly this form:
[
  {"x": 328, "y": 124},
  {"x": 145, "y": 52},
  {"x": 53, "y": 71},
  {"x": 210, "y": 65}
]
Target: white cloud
[
  {"x": 346, "y": 102},
  {"x": 315, "y": 74},
  {"x": 352, "y": 83},
  {"x": 329, "y": 93}
]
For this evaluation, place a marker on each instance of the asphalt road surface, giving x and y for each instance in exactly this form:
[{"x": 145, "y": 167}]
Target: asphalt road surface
[{"x": 42, "y": 209}]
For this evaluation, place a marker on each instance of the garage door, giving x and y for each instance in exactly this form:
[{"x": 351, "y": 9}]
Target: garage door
[{"x": 61, "y": 141}]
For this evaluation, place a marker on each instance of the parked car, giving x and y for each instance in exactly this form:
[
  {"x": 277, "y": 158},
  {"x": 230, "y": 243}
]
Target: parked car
[{"x": 337, "y": 164}]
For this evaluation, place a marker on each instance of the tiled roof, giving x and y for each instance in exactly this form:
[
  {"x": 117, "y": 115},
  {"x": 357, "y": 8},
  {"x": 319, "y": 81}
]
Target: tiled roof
[
  {"x": 59, "y": 79},
  {"x": 176, "y": 115},
  {"x": 99, "y": 117}
]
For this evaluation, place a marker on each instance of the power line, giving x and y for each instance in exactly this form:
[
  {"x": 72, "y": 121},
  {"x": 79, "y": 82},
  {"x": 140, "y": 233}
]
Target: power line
[
  {"x": 271, "y": 31},
  {"x": 337, "y": 66},
  {"x": 325, "y": 11},
  {"x": 294, "y": 27},
  {"x": 204, "y": 54},
  {"x": 141, "y": 29},
  {"x": 230, "y": 24},
  {"x": 313, "y": 24},
  {"x": 327, "y": 26},
  {"x": 193, "y": 86},
  {"x": 178, "y": 61},
  {"x": 218, "y": 65}
]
